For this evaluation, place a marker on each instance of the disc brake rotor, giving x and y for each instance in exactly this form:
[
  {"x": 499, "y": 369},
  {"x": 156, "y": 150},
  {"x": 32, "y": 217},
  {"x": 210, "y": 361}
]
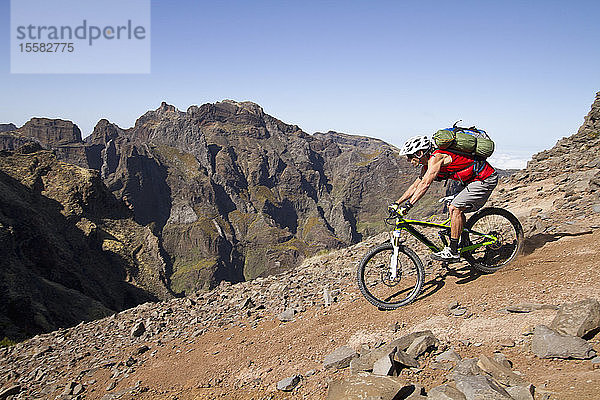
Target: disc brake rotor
[{"x": 387, "y": 279}]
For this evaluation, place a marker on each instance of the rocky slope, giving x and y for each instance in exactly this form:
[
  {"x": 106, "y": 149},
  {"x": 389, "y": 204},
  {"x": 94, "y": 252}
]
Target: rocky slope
[
  {"x": 232, "y": 192},
  {"x": 558, "y": 190},
  {"x": 245, "y": 340},
  {"x": 70, "y": 250},
  {"x": 253, "y": 339}
]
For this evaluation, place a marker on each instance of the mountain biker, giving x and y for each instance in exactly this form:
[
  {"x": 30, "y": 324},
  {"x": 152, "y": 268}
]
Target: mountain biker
[{"x": 478, "y": 177}]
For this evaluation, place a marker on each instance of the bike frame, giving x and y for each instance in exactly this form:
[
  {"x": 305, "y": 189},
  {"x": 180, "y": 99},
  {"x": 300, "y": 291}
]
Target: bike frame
[{"x": 409, "y": 226}]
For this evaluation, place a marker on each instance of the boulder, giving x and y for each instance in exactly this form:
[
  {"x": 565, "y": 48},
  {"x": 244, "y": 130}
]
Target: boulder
[
  {"x": 339, "y": 358},
  {"x": 138, "y": 329},
  {"x": 466, "y": 367},
  {"x": 522, "y": 392},
  {"x": 369, "y": 387},
  {"x": 547, "y": 343},
  {"x": 286, "y": 315},
  {"x": 78, "y": 389},
  {"x": 448, "y": 355},
  {"x": 501, "y": 359},
  {"x": 577, "y": 319},
  {"x": 365, "y": 362},
  {"x": 404, "y": 342},
  {"x": 361, "y": 364},
  {"x": 385, "y": 365},
  {"x": 288, "y": 384},
  {"x": 403, "y": 358},
  {"x": 479, "y": 387},
  {"x": 421, "y": 344},
  {"x": 499, "y": 372},
  {"x": 445, "y": 392}
]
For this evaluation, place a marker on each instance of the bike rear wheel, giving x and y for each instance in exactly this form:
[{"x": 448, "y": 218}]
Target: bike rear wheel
[
  {"x": 377, "y": 285},
  {"x": 499, "y": 223}
]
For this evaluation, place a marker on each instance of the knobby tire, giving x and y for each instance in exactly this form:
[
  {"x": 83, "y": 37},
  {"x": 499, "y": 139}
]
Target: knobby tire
[
  {"x": 376, "y": 285},
  {"x": 499, "y": 222}
]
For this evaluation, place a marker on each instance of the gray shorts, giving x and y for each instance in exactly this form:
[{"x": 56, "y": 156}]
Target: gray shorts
[{"x": 475, "y": 194}]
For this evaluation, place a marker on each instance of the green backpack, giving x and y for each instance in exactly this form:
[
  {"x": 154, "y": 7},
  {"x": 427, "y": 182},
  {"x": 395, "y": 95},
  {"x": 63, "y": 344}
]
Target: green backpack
[{"x": 468, "y": 141}]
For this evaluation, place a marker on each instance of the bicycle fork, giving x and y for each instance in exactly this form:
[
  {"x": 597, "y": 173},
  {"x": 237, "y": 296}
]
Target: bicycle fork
[{"x": 395, "y": 239}]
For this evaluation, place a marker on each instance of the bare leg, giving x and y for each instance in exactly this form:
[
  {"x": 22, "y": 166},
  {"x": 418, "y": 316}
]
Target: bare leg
[{"x": 457, "y": 221}]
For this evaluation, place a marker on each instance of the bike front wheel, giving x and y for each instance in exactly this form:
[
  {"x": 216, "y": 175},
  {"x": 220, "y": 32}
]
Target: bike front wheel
[
  {"x": 507, "y": 232},
  {"x": 376, "y": 283}
]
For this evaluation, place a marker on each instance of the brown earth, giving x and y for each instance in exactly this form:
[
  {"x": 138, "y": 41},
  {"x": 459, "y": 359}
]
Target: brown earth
[{"x": 245, "y": 362}]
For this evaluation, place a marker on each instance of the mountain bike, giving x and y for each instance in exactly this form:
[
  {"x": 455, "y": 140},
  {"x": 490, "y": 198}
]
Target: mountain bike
[{"x": 391, "y": 274}]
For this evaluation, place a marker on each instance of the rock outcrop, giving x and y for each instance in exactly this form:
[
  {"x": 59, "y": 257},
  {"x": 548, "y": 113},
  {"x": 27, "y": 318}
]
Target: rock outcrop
[
  {"x": 64, "y": 137},
  {"x": 71, "y": 250},
  {"x": 51, "y": 132},
  {"x": 7, "y": 127},
  {"x": 559, "y": 185}
]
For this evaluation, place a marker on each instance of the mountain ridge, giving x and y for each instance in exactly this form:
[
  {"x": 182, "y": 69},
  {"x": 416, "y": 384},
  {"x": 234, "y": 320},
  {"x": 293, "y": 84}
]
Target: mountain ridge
[
  {"x": 253, "y": 183},
  {"x": 220, "y": 192}
]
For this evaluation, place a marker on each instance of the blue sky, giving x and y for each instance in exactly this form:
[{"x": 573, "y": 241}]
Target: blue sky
[{"x": 527, "y": 72}]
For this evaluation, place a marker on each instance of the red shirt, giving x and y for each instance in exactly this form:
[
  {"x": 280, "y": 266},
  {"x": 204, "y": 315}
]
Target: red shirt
[{"x": 463, "y": 168}]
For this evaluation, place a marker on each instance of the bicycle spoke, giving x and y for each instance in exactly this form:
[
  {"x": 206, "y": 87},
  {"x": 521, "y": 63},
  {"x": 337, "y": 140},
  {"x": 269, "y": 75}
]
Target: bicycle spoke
[
  {"x": 378, "y": 285},
  {"x": 507, "y": 234}
]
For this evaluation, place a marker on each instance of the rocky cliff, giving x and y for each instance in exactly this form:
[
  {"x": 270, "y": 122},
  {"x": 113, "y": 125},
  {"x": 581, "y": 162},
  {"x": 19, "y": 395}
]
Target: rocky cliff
[
  {"x": 560, "y": 186},
  {"x": 70, "y": 249},
  {"x": 247, "y": 195},
  {"x": 64, "y": 137}
]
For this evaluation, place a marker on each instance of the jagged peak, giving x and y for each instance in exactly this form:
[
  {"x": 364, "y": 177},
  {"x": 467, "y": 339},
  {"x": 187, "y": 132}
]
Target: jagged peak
[
  {"x": 104, "y": 131},
  {"x": 167, "y": 108},
  {"x": 8, "y": 127},
  {"x": 247, "y": 106},
  {"x": 229, "y": 106},
  {"x": 103, "y": 122}
]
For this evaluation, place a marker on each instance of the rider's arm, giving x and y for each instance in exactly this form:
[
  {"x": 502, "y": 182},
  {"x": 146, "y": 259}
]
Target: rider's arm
[
  {"x": 433, "y": 168},
  {"x": 409, "y": 192}
]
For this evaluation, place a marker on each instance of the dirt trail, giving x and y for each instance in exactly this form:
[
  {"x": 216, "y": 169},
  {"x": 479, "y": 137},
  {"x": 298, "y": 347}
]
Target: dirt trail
[{"x": 246, "y": 362}]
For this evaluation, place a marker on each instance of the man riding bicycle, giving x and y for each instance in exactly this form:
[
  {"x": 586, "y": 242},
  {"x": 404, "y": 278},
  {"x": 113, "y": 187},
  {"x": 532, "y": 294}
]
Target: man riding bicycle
[{"x": 478, "y": 177}]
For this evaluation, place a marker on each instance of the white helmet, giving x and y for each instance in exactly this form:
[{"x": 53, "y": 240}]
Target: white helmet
[{"x": 415, "y": 144}]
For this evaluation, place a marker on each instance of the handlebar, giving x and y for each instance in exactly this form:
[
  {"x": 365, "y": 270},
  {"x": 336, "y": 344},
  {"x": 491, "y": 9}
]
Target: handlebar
[{"x": 392, "y": 217}]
